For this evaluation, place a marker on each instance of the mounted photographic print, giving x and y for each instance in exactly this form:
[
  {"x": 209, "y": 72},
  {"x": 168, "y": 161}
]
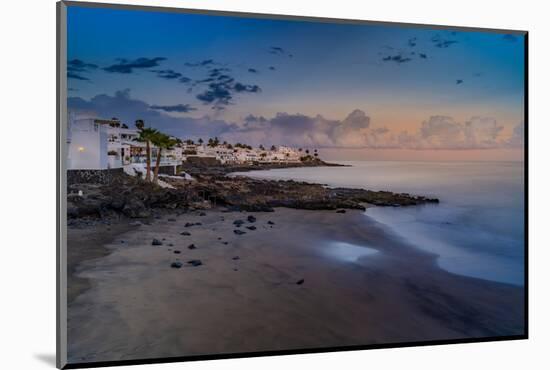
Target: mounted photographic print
[{"x": 234, "y": 185}]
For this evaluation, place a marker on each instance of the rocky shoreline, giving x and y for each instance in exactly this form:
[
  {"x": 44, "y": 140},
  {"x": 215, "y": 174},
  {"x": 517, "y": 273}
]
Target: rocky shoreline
[{"x": 211, "y": 187}]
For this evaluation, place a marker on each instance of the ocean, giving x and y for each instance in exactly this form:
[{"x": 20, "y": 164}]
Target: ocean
[{"x": 477, "y": 229}]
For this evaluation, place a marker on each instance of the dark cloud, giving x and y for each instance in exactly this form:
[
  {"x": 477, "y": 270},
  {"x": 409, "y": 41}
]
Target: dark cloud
[
  {"x": 441, "y": 42},
  {"x": 239, "y": 87},
  {"x": 76, "y": 76},
  {"x": 477, "y": 74},
  {"x": 396, "y": 58},
  {"x": 510, "y": 38},
  {"x": 76, "y": 67},
  {"x": 203, "y": 63},
  {"x": 221, "y": 87},
  {"x": 458, "y": 82},
  {"x": 252, "y": 70},
  {"x": 184, "y": 80},
  {"x": 412, "y": 42},
  {"x": 127, "y": 66},
  {"x": 271, "y": 68},
  {"x": 217, "y": 94},
  {"x": 276, "y": 50},
  {"x": 179, "y": 108},
  {"x": 128, "y": 109},
  {"x": 167, "y": 74},
  {"x": 422, "y": 55}
]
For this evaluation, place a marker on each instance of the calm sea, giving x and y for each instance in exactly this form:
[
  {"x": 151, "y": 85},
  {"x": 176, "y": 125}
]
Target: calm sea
[{"x": 477, "y": 229}]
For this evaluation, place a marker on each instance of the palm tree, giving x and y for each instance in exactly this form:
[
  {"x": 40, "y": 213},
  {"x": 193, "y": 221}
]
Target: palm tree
[
  {"x": 161, "y": 141},
  {"x": 273, "y": 148},
  {"x": 146, "y": 135},
  {"x": 140, "y": 124},
  {"x": 200, "y": 141}
]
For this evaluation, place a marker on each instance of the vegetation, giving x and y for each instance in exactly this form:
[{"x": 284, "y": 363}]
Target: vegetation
[{"x": 146, "y": 135}]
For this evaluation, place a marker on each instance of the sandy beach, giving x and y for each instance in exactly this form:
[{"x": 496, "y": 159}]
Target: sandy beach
[{"x": 292, "y": 283}]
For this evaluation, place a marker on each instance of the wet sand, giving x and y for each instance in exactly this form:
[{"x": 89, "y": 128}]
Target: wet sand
[{"x": 286, "y": 290}]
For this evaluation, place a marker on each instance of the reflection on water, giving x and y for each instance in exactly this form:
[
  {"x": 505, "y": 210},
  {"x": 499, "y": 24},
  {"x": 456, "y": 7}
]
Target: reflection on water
[
  {"x": 347, "y": 252},
  {"x": 477, "y": 229}
]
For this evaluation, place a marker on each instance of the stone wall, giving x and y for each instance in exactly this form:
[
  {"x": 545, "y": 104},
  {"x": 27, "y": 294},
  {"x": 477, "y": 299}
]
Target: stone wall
[{"x": 93, "y": 176}]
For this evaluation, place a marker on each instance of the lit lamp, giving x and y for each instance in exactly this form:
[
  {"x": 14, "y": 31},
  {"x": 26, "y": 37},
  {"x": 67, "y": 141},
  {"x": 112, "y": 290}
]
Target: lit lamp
[{"x": 81, "y": 149}]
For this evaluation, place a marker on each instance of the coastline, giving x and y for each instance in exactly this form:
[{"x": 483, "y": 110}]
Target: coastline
[{"x": 397, "y": 294}]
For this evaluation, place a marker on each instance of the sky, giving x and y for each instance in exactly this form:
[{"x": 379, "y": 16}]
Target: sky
[{"x": 353, "y": 91}]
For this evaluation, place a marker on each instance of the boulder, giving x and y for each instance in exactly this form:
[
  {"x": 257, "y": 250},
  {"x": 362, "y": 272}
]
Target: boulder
[
  {"x": 195, "y": 263},
  {"x": 156, "y": 242},
  {"x": 176, "y": 264},
  {"x": 251, "y": 218},
  {"x": 239, "y": 232}
]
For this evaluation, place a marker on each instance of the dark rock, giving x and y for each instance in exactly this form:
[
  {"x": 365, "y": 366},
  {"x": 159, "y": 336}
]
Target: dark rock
[
  {"x": 177, "y": 252},
  {"x": 189, "y": 224},
  {"x": 236, "y": 258},
  {"x": 238, "y": 223},
  {"x": 202, "y": 214},
  {"x": 156, "y": 242},
  {"x": 270, "y": 223},
  {"x": 198, "y": 224},
  {"x": 191, "y": 246},
  {"x": 239, "y": 232},
  {"x": 219, "y": 238},
  {"x": 300, "y": 282},
  {"x": 225, "y": 243},
  {"x": 195, "y": 262},
  {"x": 251, "y": 227},
  {"x": 185, "y": 233},
  {"x": 170, "y": 244},
  {"x": 341, "y": 211},
  {"x": 251, "y": 218},
  {"x": 176, "y": 264},
  {"x": 135, "y": 208}
]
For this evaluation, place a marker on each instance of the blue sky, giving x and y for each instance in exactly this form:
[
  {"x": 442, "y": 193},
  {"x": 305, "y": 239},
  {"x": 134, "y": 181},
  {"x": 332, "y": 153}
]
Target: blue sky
[{"x": 416, "y": 88}]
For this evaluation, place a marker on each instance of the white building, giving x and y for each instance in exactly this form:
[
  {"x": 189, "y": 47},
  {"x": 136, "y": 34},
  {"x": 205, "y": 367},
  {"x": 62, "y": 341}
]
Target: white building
[
  {"x": 87, "y": 142},
  {"x": 102, "y": 144}
]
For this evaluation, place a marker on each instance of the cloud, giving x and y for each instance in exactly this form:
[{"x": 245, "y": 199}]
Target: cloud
[
  {"x": 184, "y": 80},
  {"x": 441, "y": 42},
  {"x": 458, "y": 82},
  {"x": 179, "y": 108},
  {"x": 276, "y": 50},
  {"x": 443, "y": 132},
  {"x": 252, "y": 70},
  {"x": 126, "y": 66},
  {"x": 396, "y": 58},
  {"x": 518, "y": 136},
  {"x": 221, "y": 92},
  {"x": 167, "y": 74},
  {"x": 412, "y": 42},
  {"x": 271, "y": 68},
  {"x": 76, "y": 76},
  {"x": 303, "y": 130},
  {"x": 76, "y": 67},
  {"x": 354, "y": 131},
  {"x": 128, "y": 109},
  {"x": 202, "y": 63},
  {"x": 510, "y": 38},
  {"x": 422, "y": 55}
]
